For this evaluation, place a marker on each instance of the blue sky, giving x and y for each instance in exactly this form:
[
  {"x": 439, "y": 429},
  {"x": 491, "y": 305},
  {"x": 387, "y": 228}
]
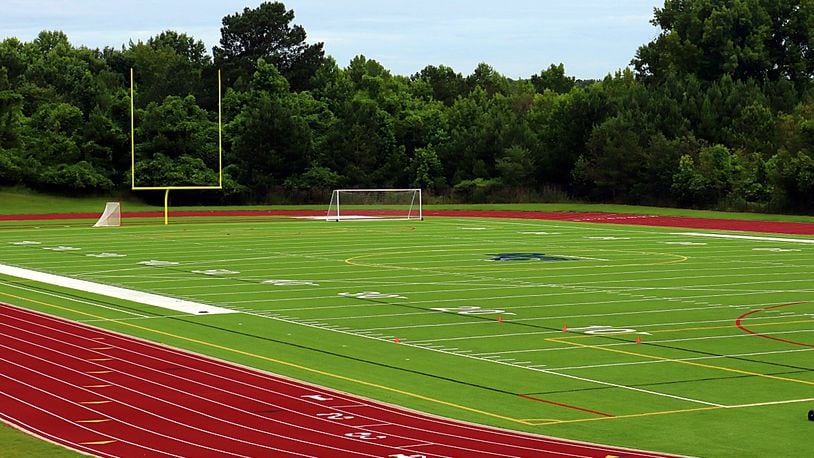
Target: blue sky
[{"x": 516, "y": 37}]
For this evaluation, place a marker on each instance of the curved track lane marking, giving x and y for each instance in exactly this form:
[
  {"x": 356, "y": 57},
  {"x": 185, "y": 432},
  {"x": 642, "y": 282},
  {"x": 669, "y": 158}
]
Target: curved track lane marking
[{"x": 427, "y": 435}]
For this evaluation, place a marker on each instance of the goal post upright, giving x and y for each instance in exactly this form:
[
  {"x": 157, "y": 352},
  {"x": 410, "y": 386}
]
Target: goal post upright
[{"x": 167, "y": 189}]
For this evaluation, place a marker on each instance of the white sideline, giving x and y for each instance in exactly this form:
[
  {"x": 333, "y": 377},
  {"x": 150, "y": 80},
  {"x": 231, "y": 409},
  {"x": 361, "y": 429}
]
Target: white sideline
[
  {"x": 179, "y": 305},
  {"x": 744, "y": 237}
]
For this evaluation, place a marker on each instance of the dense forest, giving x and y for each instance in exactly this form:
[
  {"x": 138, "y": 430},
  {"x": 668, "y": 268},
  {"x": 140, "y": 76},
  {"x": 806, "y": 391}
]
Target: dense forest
[{"x": 716, "y": 112}]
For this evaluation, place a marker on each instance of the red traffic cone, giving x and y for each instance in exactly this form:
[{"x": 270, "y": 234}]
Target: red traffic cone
[
  {"x": 564, "y": 328},
  {"x": 638, "y": 340},
  {"x": 397, "y": 340}
]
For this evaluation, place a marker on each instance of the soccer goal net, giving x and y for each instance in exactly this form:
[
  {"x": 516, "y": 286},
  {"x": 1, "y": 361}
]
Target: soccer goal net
[
  {"x": 374, "y": 204},
  {"x": 112, "y": 216}
]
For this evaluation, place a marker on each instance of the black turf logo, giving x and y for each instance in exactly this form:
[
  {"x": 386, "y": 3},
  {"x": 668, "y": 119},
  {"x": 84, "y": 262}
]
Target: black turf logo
[{"x": 521, "y": 257}]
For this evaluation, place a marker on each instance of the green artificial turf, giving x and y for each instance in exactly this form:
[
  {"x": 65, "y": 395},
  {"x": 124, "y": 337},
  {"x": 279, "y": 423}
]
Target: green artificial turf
[{"x": 478, "y": 307}]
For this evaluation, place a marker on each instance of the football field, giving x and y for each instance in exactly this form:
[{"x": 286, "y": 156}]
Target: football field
[{"x": 676, "y": 340}]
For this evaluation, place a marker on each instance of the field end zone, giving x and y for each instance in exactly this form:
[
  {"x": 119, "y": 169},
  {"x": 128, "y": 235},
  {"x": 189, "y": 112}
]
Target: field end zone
[{"x": 178, "y": 305}]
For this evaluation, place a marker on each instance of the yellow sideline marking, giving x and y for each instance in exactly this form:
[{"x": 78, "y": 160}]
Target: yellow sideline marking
[
  {"x": 543, "y": 421},
  {"x": 689, "y": 363},
  {"x": 93, "y": 403},
  {"x": 98, "y": 372},
  {"x": 633, "y": 415},
  {"x": 97, "y": 443},
  {"x": 668, "y": 412},
  {"x": 97, "y": 420},
  {"x": 272, "y": 360}
]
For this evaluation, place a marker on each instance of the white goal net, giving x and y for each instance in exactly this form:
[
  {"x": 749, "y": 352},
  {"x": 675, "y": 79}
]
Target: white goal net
[
  {"x": 374, "y": 204},
  {"x": 112, "y": 216}
]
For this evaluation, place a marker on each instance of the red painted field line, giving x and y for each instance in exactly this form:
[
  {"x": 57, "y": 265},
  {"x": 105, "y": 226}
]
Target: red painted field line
[
  {"x": 567, "y": 406},
  {"x": 747, "y": 330}
]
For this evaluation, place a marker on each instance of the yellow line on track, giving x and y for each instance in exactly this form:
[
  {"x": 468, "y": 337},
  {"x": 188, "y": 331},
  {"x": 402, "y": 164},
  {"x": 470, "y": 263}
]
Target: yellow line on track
[{"x": 272, "y": 360}]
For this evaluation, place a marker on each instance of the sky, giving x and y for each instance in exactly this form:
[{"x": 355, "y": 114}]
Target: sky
[{"x": 518, "y": 38}]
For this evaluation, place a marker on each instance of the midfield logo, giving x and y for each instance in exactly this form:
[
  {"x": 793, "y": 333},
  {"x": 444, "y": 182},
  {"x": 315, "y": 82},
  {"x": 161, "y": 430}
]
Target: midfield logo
[{"x": 501, "y": 257}]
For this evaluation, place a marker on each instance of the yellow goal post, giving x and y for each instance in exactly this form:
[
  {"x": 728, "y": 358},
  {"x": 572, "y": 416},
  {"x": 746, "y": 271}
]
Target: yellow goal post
[{"x": 167, "y": 189}]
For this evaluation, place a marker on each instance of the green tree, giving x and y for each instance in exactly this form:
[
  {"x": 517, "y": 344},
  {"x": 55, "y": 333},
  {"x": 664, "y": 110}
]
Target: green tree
[
  {"x": 169, "y": 64},
  {"x": 745, "y": 39},
  {"x": 487, "y": 78},
  {"x": 446, "y": 84},
  {"x": 426, "y": 170},
  {"x": 266, "y": 33},
  {"x": 271, "y": 136},
  {"x": 714, "y": 177},
  {"x": 10, "y": 112},
  {"x": 554, "y": 79},
  {"x": 176, "y": 129},
  {"x": 562, "y": 125},
  {"x": 792, "y": 176}
]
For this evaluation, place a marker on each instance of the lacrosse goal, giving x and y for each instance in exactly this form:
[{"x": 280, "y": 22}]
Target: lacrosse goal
[{"x": 111, "y": 217}]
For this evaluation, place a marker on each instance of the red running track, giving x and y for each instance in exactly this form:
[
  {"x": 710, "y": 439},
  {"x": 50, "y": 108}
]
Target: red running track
[
  {"x": 108, "y": 394},
  {"x": 778, "y": 227}
]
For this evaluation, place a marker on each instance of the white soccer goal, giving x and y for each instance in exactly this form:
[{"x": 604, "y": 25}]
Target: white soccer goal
[
  {"x": 112, "y": 216},
  {"x": 375, "y": 204}
]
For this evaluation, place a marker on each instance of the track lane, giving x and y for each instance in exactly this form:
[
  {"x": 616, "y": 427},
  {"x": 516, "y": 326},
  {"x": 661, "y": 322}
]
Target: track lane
[{"x": 162, "y": 374}]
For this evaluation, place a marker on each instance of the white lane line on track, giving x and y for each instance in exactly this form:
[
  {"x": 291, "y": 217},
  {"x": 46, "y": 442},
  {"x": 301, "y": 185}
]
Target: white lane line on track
[
  {"x": 61, "y": 440},
  {"x": 48, "y": 393},
  {"x": 265, "y": 376}
]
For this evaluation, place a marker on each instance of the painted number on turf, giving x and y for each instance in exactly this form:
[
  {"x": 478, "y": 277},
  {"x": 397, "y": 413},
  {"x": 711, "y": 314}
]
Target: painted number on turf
[
  {"x": 372, "y": 295},
  {"x": 606, "y": 330},
  {"x": 470, "y": 310}
]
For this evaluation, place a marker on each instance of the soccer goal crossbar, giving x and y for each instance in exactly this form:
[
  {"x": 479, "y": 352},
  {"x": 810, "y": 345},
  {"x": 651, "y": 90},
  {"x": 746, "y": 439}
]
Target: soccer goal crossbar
[{"x": 375, "y": 204}]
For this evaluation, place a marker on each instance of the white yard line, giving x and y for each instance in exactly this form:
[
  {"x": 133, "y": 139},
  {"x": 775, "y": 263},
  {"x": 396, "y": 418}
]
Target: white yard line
[
  {"x": 478, "y": 358},
  {"x": 698, "y": 358}
]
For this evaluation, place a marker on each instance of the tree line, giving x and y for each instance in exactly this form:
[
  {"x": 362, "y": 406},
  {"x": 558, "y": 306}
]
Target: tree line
[{"x": 716, "y": 112}]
